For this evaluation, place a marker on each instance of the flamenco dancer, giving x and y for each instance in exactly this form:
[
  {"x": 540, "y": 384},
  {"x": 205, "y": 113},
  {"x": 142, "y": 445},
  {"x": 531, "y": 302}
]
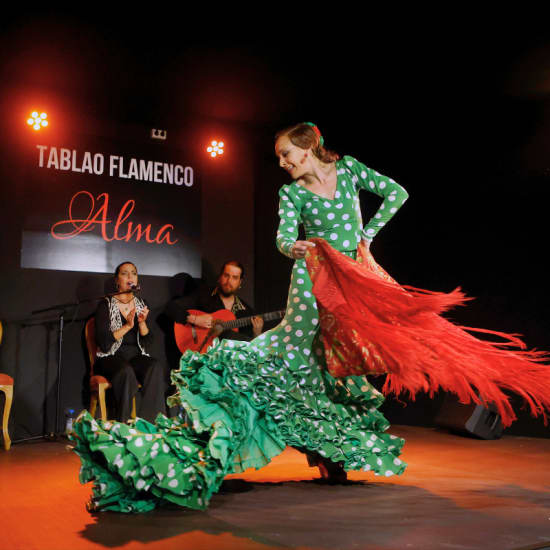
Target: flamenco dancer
[{"x": 303, "y": 383}]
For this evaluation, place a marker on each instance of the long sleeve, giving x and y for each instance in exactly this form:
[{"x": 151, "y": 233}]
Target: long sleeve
[
  {"x": 177, "y": 309},
  {"x": 103, "y": 334},
  {"x": 393, "y": 194},
  {"x": 290, "y": 217}
]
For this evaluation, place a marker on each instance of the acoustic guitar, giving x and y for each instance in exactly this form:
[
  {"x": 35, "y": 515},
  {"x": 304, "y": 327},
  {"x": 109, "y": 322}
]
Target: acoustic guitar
[{"x": 198, "y": 338}]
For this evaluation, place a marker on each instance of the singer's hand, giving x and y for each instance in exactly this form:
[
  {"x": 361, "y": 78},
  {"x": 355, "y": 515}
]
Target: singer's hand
[
  {"x": 131, "y": 317},
  {"x": 143, "y": 315}
]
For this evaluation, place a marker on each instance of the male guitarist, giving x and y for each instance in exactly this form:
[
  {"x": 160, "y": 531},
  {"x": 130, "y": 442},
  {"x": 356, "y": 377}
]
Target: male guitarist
[{"x": 223, "y": 296}]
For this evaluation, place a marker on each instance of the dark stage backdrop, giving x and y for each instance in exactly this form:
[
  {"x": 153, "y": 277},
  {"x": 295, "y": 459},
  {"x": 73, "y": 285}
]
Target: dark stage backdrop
[
  {"x": 73, "y": 206},
  {"x": 476, "y": 218},
  {"x": 94, "y": 201}
]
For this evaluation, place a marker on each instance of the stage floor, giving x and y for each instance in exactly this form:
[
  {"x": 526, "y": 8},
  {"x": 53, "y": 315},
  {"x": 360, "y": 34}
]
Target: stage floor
[{"x": 457, "y": 493}]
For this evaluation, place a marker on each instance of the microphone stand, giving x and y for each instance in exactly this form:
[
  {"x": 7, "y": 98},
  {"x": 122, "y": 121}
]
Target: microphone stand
[{"x": 62, "y": 310}]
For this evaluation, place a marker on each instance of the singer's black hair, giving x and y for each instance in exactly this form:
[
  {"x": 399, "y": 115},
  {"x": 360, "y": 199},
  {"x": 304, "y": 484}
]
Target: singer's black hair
[{"x": 121, "y": 264}]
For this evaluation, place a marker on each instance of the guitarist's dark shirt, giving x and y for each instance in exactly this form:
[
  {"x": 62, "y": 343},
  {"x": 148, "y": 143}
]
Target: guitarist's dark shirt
[{"x": 209, "y": 301}]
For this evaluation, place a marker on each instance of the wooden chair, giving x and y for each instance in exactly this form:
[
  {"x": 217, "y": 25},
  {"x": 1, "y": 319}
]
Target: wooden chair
[
  {"x": 6, "y": 385},
  {"x": 98, "y": 384}
]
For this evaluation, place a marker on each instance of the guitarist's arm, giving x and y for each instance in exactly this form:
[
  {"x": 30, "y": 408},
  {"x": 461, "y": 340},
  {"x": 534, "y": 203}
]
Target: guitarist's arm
[{"x": 178, "y": 310}]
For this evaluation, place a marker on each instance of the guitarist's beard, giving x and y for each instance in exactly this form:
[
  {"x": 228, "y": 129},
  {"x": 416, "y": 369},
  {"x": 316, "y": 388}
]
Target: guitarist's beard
[{"x": 226, "y": 294}]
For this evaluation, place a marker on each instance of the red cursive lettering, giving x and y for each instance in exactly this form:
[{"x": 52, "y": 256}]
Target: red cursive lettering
[{"x": 74, "y": 226}]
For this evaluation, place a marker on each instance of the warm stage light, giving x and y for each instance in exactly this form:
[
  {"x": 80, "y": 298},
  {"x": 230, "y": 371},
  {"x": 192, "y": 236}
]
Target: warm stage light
[
  {"x": 215, "y": 148},
  {"x": 37, "y": 121}
]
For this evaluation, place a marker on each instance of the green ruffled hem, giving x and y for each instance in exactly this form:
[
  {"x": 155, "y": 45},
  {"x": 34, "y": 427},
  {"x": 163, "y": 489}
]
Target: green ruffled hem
[{"x": 242, "y": 405}]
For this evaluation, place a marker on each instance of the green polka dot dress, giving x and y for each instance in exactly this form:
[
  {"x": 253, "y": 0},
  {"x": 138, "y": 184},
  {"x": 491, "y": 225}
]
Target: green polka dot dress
[{"x": 245, "y": 401}]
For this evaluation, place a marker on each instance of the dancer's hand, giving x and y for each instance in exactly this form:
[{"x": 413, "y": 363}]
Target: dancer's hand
[
  {"x": 299, "y": 249},
  {"x": 366, "y": 243}
]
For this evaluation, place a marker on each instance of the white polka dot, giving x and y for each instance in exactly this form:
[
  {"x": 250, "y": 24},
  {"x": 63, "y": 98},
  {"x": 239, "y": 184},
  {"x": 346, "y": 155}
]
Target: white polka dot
[
  {"x": 274, "y": 337},
  {"x": 299, "y": 333},
  {"x": 288, "y": 328},
  {"x": 291, "y": 356},
  {"x": 186, "y": 449},
  {"x": 298, "y": 318},
  {"x": 307, "y": 352},
  {"x": 314, "y": 321},
  {"x": 317, "y": 222},
  {"x": 381, "y": 224},
  {"x": 173, "y": 483},
  {"x": 171, "y": 473},
  {"x": 346, "y": 243},
  {"x": 349, "y": 163},
  {"x": 286, "y": 339},
  {"x": 337, "y": 195},
  {"x": 300, "y": 281},
  {"x": 391, "y": 198},
  {"x": 308, "y": 205},
  {"x": 315, "y": 211},
  {"x": 307, "y": 294},
  {"x": 379, "y": 461},
  {"x": 366, "y": 467},
  {"x": 347, "y": 227},
  {"x": 333, "y": 236},
  {"x": 331, "y": 216},
  {"x": 140, "y": 484},
  {"x": 378, "y": 216},
  {"x": 382, "y": 185},
  {"x": 303, "y": 307},
  {"x": 326, "y": 204},
  {"x": 363, "y": 174},
  {"x": 370, "y": 232},
  {"x": 345, "y": 216},
  {"x": 294, "y": 291},
  {"x": 389, "y": 473},
  {"x": 339, "y": 206},
  {"x": 139, "y": 442},
  {"x": 370, "y": 443},
  {"x": 396, "y": 461},
  {"x": 393, "y": 210},
  {"x": 371, "y": 184}
]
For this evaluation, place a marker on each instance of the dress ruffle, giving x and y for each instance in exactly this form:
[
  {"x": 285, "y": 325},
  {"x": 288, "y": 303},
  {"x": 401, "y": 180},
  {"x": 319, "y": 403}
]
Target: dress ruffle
[
  {"x": 370, "y": 324},
  {"x": 242, "y": 405}
]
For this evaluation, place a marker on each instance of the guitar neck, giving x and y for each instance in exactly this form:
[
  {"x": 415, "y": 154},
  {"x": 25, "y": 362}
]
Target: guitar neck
[{"x": 243, "y": 321}]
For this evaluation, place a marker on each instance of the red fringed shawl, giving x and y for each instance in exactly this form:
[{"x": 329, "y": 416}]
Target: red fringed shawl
[{"x": 370, "y": 324}]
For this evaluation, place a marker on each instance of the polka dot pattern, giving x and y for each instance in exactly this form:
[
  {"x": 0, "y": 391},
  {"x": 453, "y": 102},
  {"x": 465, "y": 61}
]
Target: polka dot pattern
[
  {"x": 331, "y": 220},
  {"x": 280, "y": 378}
]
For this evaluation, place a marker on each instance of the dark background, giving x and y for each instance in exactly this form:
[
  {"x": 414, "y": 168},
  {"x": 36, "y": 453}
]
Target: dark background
[{"x": 458, "y": 114}]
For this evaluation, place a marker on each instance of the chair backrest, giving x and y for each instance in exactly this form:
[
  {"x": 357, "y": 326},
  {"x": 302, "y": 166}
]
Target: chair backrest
[{"x": 89, "y": 333}]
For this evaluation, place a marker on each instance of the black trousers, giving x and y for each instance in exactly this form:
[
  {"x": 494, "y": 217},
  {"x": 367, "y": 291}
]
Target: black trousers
[{"x": 125, "y": 375}]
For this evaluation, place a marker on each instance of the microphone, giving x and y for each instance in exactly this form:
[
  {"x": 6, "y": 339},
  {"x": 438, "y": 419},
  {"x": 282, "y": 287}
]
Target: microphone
[{"x": 135, "y": 288}]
